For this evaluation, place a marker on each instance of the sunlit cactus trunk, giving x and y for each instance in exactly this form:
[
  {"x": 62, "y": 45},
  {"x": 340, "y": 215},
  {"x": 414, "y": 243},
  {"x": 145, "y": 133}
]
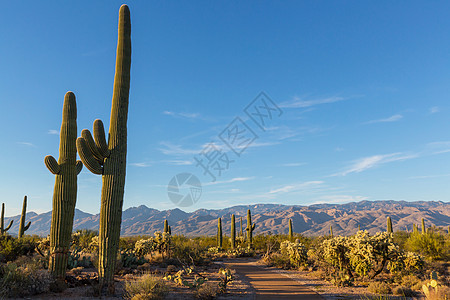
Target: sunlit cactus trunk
[
  {"x": 166, "y": 226},
  {"x": 291, "y": 232},
  {"x": 389, "y": 225},
  {"x": 3, "y": 230},
  {"x": 233, "y": 232},
  {"x": 250, "y": 228},
  {"x": 424, "y": 230},
  {"x": 331, "y": 231},
  {"x": 241, "y": 232},
  {"x": 219, "y": 233},
  {"x": 66, "y": 170},
  {"x": 109, "y": 159},
  {"x": 22, "y": 226}
]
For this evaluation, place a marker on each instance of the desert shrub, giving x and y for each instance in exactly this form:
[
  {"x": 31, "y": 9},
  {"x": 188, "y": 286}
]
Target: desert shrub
[
  {"x": 188, "y": 251},
  {"x": 207, "y": 291},
  {"x": 241, "y": 252},
  {"x": 146, "y": 287},
  {"x": 11, "y": 247},
  {"x": 379, "y": 287},
  {"x": 410, "y": 280},
  {"x": 431, "y": 245},
  {"x": 403, "y": 291},
  {"x": 23, "y": 280},
  {"x": 278, "y": 260},
  {"x": 144, "y": 246}
]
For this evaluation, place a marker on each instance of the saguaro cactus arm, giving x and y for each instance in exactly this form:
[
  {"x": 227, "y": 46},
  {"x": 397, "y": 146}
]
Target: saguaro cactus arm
[
  {"x": 9, "y": 226},
  {"x": 2, "y": 222},
  {"x": 87, "y": 157},
  {"x": 27, "y": 226},
  {"x": 79, "y": 166},
  {"x": 52, "y": 164},
  {"x": 22, "y": 227}
]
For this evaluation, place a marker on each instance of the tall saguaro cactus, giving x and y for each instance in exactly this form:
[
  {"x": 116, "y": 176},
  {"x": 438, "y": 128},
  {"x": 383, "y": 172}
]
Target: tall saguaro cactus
[
  {"x": 250, "y": 228},
  {"x": 389, "y": 225},
  {"x": 166, "y": 226},
  {"x": 241, "y": 232},
  {"x": 219, "y": 233},
  {"x": 66, "y": 170},
  {"x": 291, "y": 232},
  {"x": 22, "y": 227},
  {"x": 233, "y": 232},
  {"x": 424, "y": 230},
  {"x": 3, "y": 230},
  {"x": 331, "y": 230},
  {"x": 109, "y": 159}
]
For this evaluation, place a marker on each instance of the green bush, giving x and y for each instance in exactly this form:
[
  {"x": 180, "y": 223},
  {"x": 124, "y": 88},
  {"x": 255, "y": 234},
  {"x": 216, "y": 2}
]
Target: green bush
[
  {"x": 432, "y": 245},
  {"x": 11, "y": 247},
  {"x": 146, "y": 287}
]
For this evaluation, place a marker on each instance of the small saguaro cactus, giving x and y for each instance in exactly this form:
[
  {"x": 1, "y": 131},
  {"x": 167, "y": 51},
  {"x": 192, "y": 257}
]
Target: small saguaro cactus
[
  {"x": 66, "y": 170},
  {"x": 359, "y": 227},
  {"x": 169, "y": 231},
  {"x": 291, "y": 232},
  {"x": 22, "y": 227},
  {"x": 109, "y": 158},
  {"x": 219, "y": 233},
  {"x": 3, "y": 230},
  {"x": 389, "y": 225},
  {"x": 415, "y": 229},
  {"x": 241, "y": 232},
  {"x": 250, "y": 228},
  {"x": 233, "y": 232},
  {"x": 331, "y": 231},
  {"x": 166, "y": 226},
  {"x": 424, "y": 230}
]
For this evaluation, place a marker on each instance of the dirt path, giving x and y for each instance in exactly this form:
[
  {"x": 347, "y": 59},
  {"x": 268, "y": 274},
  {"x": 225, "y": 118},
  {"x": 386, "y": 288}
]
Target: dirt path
[{"x": 271, "y": 285}]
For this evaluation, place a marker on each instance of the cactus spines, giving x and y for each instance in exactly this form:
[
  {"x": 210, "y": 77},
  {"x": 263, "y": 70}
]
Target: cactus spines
[
  {"x": 250, "y": 228},
  {"x": 291, "y": 233},
  {"x": 424, "y": 231},
  {"x": 389, "y": 225},
  {"x": 66, "y": 170},
  {"x": 219, "y": 233},
  {"x": 22, "y": 227},
  {"x": 331, "y": 231},
  {"x": 166, "y": 226},
  {"x": 109, "y": 158},
  {"x": 3, "y": 230},
  {"x": 233, "y": 232}
]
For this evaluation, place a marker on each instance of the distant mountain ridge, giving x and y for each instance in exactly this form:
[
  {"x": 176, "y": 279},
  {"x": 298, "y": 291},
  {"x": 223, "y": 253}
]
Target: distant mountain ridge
[{"x": 308, "y": 220}]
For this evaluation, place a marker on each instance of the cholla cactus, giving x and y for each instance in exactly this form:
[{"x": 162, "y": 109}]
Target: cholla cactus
[
  {"x": 109, "y": 158},
  {"x": 22, "y": 226},
  {"x": 250, "y": 228},
  {"x": 3, "y": 230}
]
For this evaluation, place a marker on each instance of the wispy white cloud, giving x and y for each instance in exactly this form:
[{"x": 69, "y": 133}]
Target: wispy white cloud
[
  {"x": 169, "y": 162},
  {"x": 293, "y": 164},
  {"x": 298, "y": 102},
  {"x": 236, "y": 179},
  {"x": 297, "y": 187},
  {"x": 141, "y": 164},
  {"x": 429, "y": 176},
  {"x": 434, "y": 109},
  {"x": 53, "y": 131},
  {"x": 172, "y": 149},
  {"x": 369, "y": 162},
  {"x": 339, "y": 199},
  {"x": 439, "y": 147},
  {"x": 185, "y": 115},
  {"x": 27, "y": 144},
  {"x": 393, "y": 118}
]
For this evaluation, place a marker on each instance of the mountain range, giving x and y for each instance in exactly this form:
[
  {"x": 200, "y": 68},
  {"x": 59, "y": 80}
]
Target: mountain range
[{"x": 308, "y": 220}]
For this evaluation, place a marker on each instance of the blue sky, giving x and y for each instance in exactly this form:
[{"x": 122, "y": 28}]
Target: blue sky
[{"x": 363, "y": 87}]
